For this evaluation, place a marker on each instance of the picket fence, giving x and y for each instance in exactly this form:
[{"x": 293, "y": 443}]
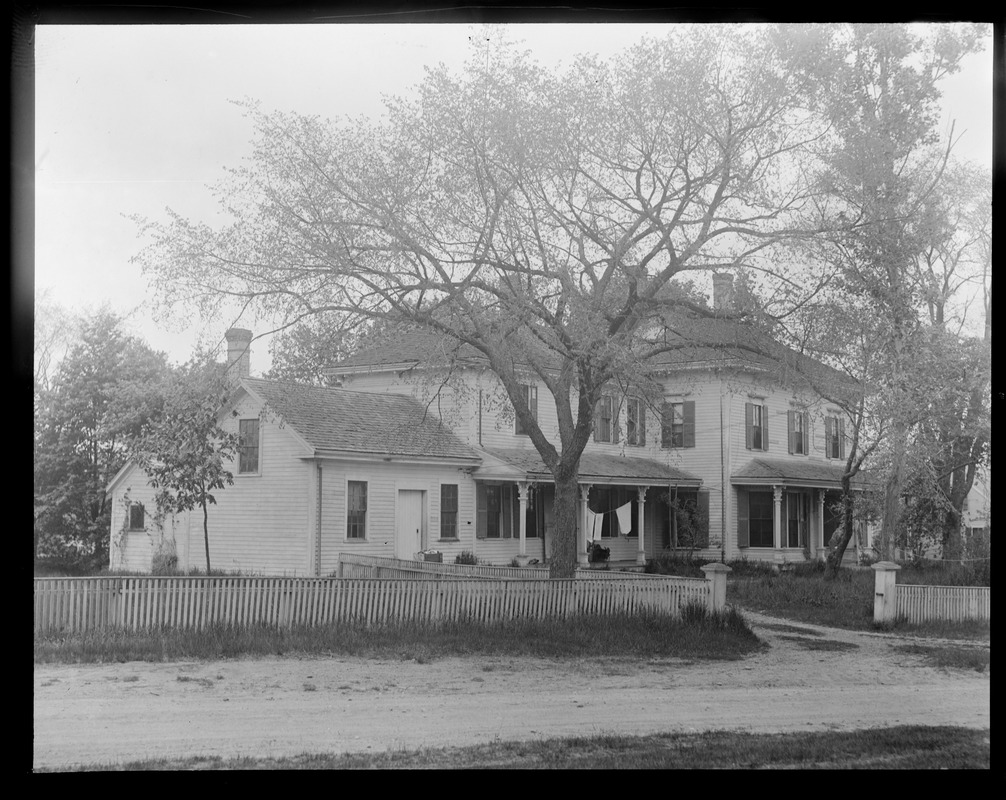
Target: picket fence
[
  {"x": 952, "y": 603},
  {"x": 147, "y": 603}
]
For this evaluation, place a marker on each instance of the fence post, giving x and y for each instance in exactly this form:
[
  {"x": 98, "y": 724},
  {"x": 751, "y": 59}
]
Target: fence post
[
  {"x": 716, "y": 575},
  {"x": 885, "y": 592}
]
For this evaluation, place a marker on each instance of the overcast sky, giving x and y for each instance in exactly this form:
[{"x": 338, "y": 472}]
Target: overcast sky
[{"x": 136, "y": 119}]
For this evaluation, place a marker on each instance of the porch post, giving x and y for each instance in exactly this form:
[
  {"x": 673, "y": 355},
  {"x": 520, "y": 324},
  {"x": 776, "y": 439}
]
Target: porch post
[
  {"x": 641, "y": 554},
  {"x": 820, "y": 527},
  {"x": 522, "y": 497},
  {"x": 777, "y": 517},
  {"x": 581, "y": 539}
]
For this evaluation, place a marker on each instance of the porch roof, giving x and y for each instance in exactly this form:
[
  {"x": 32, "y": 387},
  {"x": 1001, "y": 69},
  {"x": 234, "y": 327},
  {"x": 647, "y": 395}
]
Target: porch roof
[
  {"x": 526, "y": 464},
  {"x": 784, "y": 472}
]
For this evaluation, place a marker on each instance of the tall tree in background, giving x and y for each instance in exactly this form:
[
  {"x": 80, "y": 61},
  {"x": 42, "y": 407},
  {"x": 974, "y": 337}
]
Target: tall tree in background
[
  {"x": 303, "y": 352},
  {"x": 879, "y": 87},
  {"x": 99, "y": 397},
  {"x": 183, "y": 449},
  {"x": 539, "y": 217}
]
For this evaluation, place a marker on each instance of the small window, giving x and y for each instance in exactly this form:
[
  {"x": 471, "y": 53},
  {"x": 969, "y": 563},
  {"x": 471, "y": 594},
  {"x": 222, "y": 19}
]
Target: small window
[
  {"x": 449, "y": 511},
  {"x": 677, "y": 425},
  {"x": 756, "y": 423},
  {"x": 635, "y": 422},
  {"x": 834, "y": 437},
  {"x": 248, "y": 445},
  {"x": 605, "y": 424},
  {"x": 137, "y": 517},
  {"x": 356, "y": 510},
  {"x": 530, "y": 394}
]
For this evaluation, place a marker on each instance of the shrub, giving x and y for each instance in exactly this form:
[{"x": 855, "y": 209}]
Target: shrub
[
  {"x": 164, "y": 562},
  {"x": 678, "y": 564},
  {"x": 466, "y": 557}
]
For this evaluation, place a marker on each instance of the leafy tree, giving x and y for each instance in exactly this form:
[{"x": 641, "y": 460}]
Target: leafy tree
[
  {"x": 184, "y": 451},
  {"x": 541, "y": 218},
  {"x": 303, "y": 352},
  {"x": 100, "y": 395}
]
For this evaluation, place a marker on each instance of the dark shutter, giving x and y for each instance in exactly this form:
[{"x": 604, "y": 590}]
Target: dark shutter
[
  {"x": 507, "y": 502},
  {"x": 702, "y": 507},
  {"x": 749, "y": 425},
  {"x": 641, "y": 424},
  {"x": 532, "y": 392},
  {"x": 688, "y": 413},
  {"x": 791, "y": 430},
  {"x": 764, "y": 427},
  {"x": 597, "y": 419},
  {"x": 828, "y": 436},
  {"x": 841, "y": 438},
  {"x": 480, "y": 511},
  {"x": 614, "y": 420},
  {"x": 743, "y": 522},
  {"x": 806, "y": 433}
]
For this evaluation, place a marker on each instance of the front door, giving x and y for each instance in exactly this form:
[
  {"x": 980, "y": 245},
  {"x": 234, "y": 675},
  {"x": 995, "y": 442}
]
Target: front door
[{"x": 409, "y": 537}]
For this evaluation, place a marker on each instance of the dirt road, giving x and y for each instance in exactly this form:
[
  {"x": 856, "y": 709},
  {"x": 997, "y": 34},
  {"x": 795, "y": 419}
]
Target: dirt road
[{"x": 106, "y": 714}]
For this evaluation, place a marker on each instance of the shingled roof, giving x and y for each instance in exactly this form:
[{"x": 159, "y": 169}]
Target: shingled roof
[
  {"x": 340, "y": 420},
  {"x": 598, "y": 466},
  {"x": 794, "y": 472}
]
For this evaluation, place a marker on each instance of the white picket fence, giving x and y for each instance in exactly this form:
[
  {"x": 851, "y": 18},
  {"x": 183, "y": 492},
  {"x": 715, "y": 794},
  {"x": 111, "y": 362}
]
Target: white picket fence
[
  {"x": 135, "y": 603},
  {"x": 952, "y": 603}
]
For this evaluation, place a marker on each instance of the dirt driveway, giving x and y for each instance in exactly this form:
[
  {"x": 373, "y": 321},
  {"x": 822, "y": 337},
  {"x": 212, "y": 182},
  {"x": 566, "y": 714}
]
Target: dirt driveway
[{"x": 106, "y": 714}]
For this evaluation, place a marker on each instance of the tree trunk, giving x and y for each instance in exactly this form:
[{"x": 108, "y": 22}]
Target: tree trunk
[
  {"x": 206, "y": 532},
  {"x": 834, "y": 562},
  {"x": 566, "y": 510}
]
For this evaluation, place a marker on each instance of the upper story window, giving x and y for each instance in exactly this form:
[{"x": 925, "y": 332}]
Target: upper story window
[
  {"x": 799, "y": 440},
  {"x": 448, "y": 511},
  {"x": 677, "y": 424},
  {"x": 756, "y": 425},
  {"x": 605, "y": 423},
  {"x": 137, "y": 517},
  {"x": 356, "y": 510},
  {"x": 635, "y": 422},
  {"x": 248, "y": 446},
  {"x": 834, "y": 437},
  {"x": 530, "y": 394}
]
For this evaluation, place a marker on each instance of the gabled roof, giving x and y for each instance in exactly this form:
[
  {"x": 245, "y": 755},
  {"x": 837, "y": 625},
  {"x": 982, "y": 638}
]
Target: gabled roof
[
  {"x": 598, "y": 466},
  {"x": 334, "y": 420},
  {"x": 796, "y": 472},
  {"x": 405, "y": 347}
]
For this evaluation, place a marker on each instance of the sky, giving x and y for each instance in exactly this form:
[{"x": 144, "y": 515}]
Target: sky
[{"x": 134, "y": 119}]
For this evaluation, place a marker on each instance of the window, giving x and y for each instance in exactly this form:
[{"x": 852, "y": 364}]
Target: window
[
  {"x": 635, "y": 422},
  {"x": 530, "y": 394},
  {"x": 756, "y": 421},
  {"x": 677, "y": 425},
  {"x": 797, "y": 431},
  {"x": 248, "y": 445},
  {"x": 605, "y": 423},
  {"x": 137, "y": 520},
  {"x": 760, "y": 508},
  {"x": 834, "y": 437},
  {"x": 796, "y": 519},
  {"x": 496, "y": 510},
  {"x": 356, "y": 510},
  {"x": 449, "y": 511}
]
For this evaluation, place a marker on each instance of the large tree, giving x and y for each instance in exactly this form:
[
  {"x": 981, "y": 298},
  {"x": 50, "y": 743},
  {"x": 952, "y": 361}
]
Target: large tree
[
  {"x": 98, "y": 397},
  {"x": 540, "y": 217}
]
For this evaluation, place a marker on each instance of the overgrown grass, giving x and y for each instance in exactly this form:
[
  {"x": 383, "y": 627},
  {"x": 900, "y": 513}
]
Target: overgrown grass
[
  {"x": 802, "y": 594},
  {"x": 696, "y": 635},
  {"x": 969, "y": 659},
  {"x": 903, "y": 747}
]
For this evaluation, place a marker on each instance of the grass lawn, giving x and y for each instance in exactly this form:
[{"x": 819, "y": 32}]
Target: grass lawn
[
  {"x": 695, "y": 635},
  {"x": 904, "y": 747}
]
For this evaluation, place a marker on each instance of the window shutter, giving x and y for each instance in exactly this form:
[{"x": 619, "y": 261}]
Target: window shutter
[
  {"x": 764, "y": 427},
  {"x": 806, "y": 433},
  {"x": 614, "y": 420},
  {"x": 688, "y": 412},
  {"x": 507, "y": 502},
  {"x": 749, "y": 424},
  {"x": 791, "y": 430},
  {"x": 827, "y": 437},
  {"x": 743, "y": 523},
  {"x": 597, "y": 419},
  {"x": 641, "y": 424},
  {"x": 702, "y": 505},
  {"x": 480, "y": 511},
  {"x": 533, "y": 403}
]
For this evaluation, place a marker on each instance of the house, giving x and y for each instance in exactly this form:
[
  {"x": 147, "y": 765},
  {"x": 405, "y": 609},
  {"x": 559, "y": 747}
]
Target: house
[{"x": 737, "y": 457}]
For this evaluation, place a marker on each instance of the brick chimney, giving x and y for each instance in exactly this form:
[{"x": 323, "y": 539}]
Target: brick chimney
[
  {"x": 723, "y": 292},
  {"x": 238, "y": 352}
]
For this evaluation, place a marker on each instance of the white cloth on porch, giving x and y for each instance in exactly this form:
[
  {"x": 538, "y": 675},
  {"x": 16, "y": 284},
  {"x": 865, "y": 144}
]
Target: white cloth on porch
[
  {"x": 598, "y": 525},
  {"x": 624, "y": 514},
  {"x": 589, "y": 525}
]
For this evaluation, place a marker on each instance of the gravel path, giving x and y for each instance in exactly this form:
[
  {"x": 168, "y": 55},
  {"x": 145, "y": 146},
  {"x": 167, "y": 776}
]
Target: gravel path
[{"x": 809, "y": 678}]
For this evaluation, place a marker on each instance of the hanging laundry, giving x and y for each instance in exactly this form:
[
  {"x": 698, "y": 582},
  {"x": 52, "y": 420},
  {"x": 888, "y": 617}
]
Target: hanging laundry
[
  {"x": 589, "y": 525},
  {"x": 624, "y": 514},
  {"x": 598, "y": 525}
]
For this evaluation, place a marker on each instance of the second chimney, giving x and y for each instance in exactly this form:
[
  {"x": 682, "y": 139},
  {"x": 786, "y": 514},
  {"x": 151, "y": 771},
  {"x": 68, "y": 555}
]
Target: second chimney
[
  {"x": 723, "y": 292},
  {"x": 239, "y": 352}
]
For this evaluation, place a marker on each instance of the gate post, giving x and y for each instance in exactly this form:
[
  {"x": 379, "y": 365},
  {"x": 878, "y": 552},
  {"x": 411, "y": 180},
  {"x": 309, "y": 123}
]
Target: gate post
[
  {"x": 885, "y": 591},
  {"x": 716, "y": 575}
]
